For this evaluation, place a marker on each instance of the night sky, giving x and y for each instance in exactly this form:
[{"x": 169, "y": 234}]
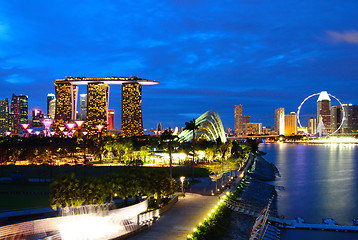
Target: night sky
[{"x": 207, "y": 55}]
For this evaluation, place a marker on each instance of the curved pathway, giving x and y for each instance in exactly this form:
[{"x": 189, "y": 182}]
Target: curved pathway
[{"x": 181, "y": 219}]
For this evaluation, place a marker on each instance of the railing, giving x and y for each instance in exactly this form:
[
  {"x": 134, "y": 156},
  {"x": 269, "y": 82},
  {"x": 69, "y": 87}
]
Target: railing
[{"x": 150, "y": 216}]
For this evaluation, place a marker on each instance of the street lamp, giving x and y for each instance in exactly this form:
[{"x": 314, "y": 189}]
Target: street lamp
[{"x": 182, "y": 184}]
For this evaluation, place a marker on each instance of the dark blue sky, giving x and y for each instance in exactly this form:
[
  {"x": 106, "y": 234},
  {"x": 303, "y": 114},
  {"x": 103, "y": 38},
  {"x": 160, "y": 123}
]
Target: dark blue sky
[{"x": 205, "y": 54}]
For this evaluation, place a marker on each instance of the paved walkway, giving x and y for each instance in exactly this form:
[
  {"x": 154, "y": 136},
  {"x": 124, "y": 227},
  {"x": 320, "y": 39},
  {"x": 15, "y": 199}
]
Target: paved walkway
[{"x": 181, "y": 219}]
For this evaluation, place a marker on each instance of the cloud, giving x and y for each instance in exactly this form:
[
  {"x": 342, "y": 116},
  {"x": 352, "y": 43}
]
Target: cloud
[
  {"x": 347, "y": 36},
  {"x": 17, "y": 79}
]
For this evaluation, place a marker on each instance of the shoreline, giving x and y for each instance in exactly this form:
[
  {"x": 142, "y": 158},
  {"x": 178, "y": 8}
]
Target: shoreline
[{"x": 257, "y": 193}]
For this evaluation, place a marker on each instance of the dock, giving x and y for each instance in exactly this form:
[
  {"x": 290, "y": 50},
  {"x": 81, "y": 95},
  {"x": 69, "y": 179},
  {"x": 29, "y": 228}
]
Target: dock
[{"x": 245, "y": 208}]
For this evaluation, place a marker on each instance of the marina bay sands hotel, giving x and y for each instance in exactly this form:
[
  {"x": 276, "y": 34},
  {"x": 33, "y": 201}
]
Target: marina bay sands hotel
[{"x": 97, "y": 102}]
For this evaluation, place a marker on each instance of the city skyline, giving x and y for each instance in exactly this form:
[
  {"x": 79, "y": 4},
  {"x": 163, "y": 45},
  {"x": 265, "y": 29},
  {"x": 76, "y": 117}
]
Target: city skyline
[{"x": 206, "y": 57}]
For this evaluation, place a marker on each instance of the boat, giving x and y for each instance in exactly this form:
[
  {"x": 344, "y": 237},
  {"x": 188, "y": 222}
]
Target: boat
[{"x": 329, "y": 221}]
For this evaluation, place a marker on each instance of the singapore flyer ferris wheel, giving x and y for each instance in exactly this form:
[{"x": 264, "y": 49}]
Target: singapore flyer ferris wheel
[{"x": 321, "y": 126}]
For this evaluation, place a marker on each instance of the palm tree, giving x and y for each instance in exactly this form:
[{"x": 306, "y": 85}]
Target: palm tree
[
  {"x": 192, "y": 126},
  {"x": 168, "y": 137}
]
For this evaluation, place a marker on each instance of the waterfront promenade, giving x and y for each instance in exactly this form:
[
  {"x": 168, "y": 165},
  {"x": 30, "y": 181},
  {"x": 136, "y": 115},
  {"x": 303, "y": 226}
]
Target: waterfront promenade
[{"x": 181, "y": 219}]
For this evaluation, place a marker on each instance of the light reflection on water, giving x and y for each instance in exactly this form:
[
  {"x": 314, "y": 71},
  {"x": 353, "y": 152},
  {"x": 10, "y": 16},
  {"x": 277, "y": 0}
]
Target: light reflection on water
[{"x": 320, "y": 181}]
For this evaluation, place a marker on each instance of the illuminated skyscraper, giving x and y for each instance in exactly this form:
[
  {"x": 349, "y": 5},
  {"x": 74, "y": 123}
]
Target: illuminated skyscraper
[
  {"x": 238, "y": 120},
  {"x": 312, "y": 126},
  {"x": 66, "y": 102},
  {"x": 245, "y": 121},
  {"x": 18, "y": 112},
  {"x": 52, "y": 109},
  {"x": 324, "y": 112},
  {"x": 132, "y": 123},
  {"x": 83, "y": 107},
  {"x": 97, "y": 107},
  {"x": 159, "y": 127},
  {"x": 110, "y": 119},
  {"x": 50, "y": 97},
  {"x": 280, "y": 121},
  {"x": 37, "y": 116},
  {"x": 4, "y": 116},
  {"x": 97, "y": 102},
  {"x": 291, "y": 124}
]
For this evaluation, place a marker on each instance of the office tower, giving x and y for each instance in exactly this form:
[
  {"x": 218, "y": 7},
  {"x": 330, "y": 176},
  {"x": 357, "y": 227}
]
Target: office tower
[
  {"x": 66, "y": 102},
  {"x": 238, "y": 120},
  {"x": 4, "y": 116},
  {"x": 280, "y": 121},
  {"x": 245, "y": 121},
  {"x": 110, "y": 119},
  {"x": 50, "y": 97},
  {"x": 291, "y": 124},
  {"x": 132, "y": 123},
  {"x": 337, "y": 117},
  {"x": 52, "y": 109},
  {"x": 324, "y": 113},
  {"x": 37, "y": 116},
  {"x": 83, "y": 107},
  {"x": 253, "y": 128},
  {"x": 18, "y": 112},
  {"x": 355, "y": 118},
  {"x": 312, "y": 126},
  {"x": 97, "y": 107}
]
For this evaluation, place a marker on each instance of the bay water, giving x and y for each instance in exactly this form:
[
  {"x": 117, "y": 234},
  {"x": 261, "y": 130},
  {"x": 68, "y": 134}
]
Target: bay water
[{"x": 317, "y": 181}]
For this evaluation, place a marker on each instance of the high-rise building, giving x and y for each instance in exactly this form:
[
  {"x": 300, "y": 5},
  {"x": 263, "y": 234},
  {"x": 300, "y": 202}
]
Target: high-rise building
[
  {"x": 4, "y": 116},
  {"x": 97, "y": 102},
  {"x": 83, "y": 107},
  {"x": 337, "y": 118},
  {"x": 132, "y": 123},
  {"x": 110, "y": 119},
  {"x": 245, "y": 121},
  {"x": 253, "y": 128},
  {"x": 280, "y": 121},
  {"x": 312, "y": 126},
  {"x": 324, "y": 113},
  {"x": 238, "y": 120},
  {"x": 52, "y": 109},
  {"x": 50, "y": 97},
  {"x": 18, "y": 112},
  {"x": 355, "y": 118},
  {"x": 37, "y": 116},
  {"x": 97, "y": 108},
  {"x": 291, "y": 124},
  {"x": 66, "y": 102}
]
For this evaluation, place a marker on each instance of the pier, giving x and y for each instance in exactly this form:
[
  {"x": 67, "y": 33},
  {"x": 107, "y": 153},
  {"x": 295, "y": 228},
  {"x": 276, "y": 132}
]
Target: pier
[{"x": 247, "y": 209}]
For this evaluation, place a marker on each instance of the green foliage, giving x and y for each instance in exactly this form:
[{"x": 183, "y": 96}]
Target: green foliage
[
  {"x": 70, "y": 191},
  {"x": 214, "y": 226}
]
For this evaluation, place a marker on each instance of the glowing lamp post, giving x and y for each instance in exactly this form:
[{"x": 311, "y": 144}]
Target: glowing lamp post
[{"x": 182, "y": 179}]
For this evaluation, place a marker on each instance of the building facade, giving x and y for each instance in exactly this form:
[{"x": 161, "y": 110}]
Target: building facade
[
  {"x": 37, "y": 116},
  {"x": 66, "y": 102},
  {"x": 238, "y": 120},
  {"x": 18, "y": 112},
  {"x": 83, "y": 107},
  {"x": 312, "y": 126},
  {"x": 50, "y": 97},
  {"x": 132, "y": 123},
  {"x": 52, "y": 109},
  {"x": 324, "y": 113},
  {"x": 97, "y": 106},
  {"x": 110, "y": 119},
  {"x": 280, "y": 121},
  {"x": 253, "y": 128},
  {"x": 291, "y": 124},
  {"x": 4, "y": 116}
]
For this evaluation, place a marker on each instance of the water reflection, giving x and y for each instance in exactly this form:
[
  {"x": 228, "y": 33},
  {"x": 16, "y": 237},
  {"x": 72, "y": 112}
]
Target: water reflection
[{"x": 319, "y": 180}]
